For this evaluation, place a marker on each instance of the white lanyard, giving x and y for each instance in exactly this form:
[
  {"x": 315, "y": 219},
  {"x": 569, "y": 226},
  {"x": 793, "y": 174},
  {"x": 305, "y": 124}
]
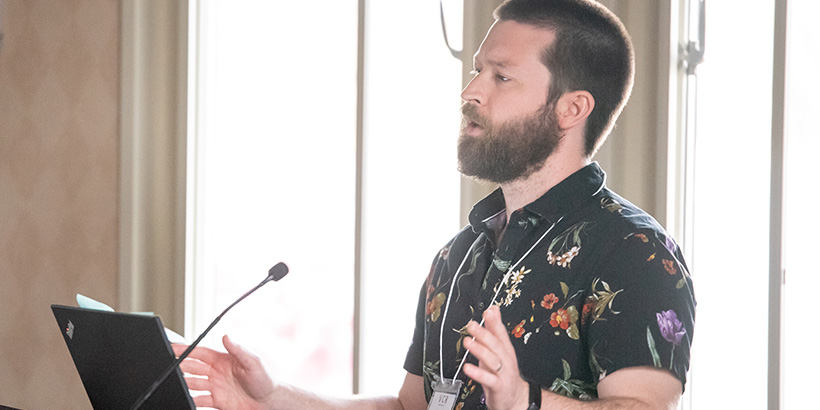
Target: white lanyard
[{"x": 492, "y": 301}]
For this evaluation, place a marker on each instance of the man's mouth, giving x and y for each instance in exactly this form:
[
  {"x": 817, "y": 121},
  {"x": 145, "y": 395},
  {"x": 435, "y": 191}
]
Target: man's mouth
[
  {"x": 472, "y": 122},
  {"x": 472, "y": 128}
]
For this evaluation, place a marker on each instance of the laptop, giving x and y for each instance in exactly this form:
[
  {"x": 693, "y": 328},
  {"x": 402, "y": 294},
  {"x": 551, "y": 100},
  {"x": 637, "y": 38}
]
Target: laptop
[{"x": 119, "y": 355}]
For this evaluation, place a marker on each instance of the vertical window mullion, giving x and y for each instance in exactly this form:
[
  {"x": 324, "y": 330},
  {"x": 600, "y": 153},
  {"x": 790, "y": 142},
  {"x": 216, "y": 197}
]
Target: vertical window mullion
[
  {"x": 357, "y": 240},
  {"x": 775, "y": 396}
]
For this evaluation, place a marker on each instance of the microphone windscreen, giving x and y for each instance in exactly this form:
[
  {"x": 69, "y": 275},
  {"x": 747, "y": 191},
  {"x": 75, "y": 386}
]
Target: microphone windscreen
[{"x": 278, "y": 271}]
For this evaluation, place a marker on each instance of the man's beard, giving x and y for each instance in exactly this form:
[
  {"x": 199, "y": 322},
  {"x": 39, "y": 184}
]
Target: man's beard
[{"x": 512, "y": 150}]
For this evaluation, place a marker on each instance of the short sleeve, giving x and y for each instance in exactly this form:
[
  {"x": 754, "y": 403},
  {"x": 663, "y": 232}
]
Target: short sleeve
[
  {"x": 641, "y": 307},
  {"x": 413, "y": 362}
]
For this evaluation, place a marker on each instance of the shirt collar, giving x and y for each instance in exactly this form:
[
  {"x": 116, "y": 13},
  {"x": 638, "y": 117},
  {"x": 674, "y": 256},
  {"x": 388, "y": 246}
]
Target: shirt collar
[
  {"x": 489, "y": 213},
  {"x": 560, "y": 200},
  {"x": 570, "y": 193}
]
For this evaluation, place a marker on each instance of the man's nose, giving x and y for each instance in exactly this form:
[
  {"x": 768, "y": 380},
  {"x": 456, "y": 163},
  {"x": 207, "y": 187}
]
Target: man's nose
[{"x": 473, "y": 92}]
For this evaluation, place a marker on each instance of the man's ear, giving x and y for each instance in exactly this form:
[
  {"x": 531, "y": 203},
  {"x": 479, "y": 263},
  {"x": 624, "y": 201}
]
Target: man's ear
[{"x": 573, "y": 108}]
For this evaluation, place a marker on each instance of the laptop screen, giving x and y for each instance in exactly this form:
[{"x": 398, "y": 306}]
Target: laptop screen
[{"x": 119, "y": 355}]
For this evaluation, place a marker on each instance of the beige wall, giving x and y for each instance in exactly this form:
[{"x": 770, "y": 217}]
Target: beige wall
[
  {"x": 635, "y": 153},
  {"x": 59, "y": 97}
]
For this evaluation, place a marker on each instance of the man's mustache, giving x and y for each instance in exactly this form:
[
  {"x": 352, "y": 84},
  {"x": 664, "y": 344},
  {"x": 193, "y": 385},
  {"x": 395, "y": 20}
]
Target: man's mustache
[{"x": 469, "y": 112}]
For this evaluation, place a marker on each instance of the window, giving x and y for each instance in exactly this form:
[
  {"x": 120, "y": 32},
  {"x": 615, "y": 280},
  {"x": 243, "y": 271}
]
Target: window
[
  {"x": 274, "y": 180},
  {"x": 410, "y": 184},
  {"x": 801, "y": 224},
  {"x": 740, "y": 316},
  {"x": 731, "y": 241},
  {"x": 278, "y": 171}
]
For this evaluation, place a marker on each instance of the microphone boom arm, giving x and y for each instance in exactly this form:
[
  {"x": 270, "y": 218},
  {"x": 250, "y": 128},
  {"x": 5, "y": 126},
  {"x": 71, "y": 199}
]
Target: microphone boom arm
[{"x": 275, "y": 273}]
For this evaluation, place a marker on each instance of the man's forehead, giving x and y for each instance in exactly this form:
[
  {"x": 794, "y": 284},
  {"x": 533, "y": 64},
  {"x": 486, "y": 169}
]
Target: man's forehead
[
  {"x": 507, "y": 41},
  {"x": 499, "y": 61}
]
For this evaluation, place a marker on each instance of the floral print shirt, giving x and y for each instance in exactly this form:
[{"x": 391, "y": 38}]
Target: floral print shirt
[{"x": 596, "y": 286}]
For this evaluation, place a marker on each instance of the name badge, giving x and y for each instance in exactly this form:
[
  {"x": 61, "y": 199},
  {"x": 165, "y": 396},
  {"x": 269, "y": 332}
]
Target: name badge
[{"x": 445, "y": 394}]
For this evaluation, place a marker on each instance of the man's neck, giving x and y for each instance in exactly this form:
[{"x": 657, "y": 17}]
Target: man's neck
[{"x": 521, "y": 192}]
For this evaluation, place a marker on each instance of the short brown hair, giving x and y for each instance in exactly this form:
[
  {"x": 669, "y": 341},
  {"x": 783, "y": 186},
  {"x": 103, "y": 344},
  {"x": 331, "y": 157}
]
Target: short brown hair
[{"x": 592, "y": 51}]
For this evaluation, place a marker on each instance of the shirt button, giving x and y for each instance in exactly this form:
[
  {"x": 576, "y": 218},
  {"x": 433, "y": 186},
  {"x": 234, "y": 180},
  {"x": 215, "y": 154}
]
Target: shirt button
[{"x": 481, "y": 305}]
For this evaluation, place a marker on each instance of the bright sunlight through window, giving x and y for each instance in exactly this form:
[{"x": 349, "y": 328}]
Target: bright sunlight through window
[{"x": 274, "y": 175}]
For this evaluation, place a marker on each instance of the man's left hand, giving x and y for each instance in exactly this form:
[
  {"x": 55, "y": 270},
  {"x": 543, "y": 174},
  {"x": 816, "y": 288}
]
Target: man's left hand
[{"x": 497, "y": 369}]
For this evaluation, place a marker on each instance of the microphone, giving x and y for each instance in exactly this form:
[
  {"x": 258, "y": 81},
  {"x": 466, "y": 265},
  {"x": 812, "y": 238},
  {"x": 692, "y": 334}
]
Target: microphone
[{"x": 275, "y": 273}]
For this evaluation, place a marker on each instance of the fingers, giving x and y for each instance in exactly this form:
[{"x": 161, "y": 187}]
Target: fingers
[
  {"x": 487, "y": 345},
  {"x": 178, "y": 349},
  {"x": 193, "y": 366},
  {"x": 205, "y": 400},
  {"x": 200, "y": 353},
  {"x": 198, "y": 383},
  {"x": 245, "y": 358},
  {"x": 487, "y": 358},
  {"x": 488, "y": 362},
  {"x": 492, "y": 347},
  {"x": 233, "y": 377},
  {"x": 492, "y": 321},
  {"x": 497, "y": 371},
  {"x": 233, "y": 348},
  {"x": 492, "y": 337},
  {"x": 481, "y": 375}
]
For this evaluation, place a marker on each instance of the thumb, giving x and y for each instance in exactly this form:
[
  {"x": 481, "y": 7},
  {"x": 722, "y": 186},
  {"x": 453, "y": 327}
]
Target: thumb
[
  {"x": 244, "y": 357},
  {"x": 236, "y": 350}
]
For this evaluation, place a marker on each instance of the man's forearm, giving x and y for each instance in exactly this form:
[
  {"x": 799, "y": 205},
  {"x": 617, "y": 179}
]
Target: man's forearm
[
  {"x": 554, "y": 401},
  {"x": 294, "y": 398}
]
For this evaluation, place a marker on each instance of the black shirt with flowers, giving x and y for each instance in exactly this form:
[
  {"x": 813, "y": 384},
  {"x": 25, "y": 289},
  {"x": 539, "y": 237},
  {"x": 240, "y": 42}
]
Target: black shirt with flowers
[{"x": 596, "y": 285}]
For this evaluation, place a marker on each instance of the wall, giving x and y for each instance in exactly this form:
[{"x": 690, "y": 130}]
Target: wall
[
  {"x": 153, "y": 129},
  {"x": 635, "y": 153},
  {"x": 59, "y": 98}
]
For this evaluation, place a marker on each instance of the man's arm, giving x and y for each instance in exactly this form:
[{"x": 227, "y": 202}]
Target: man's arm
[
  {"x": 411, "y": 397},
  {"x": 629, "y": 388},
  {"x": 238, "y": 379}
]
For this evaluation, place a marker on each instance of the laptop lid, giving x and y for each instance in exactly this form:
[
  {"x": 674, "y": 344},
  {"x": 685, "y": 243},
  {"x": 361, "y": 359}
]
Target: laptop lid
[{"x": 119, "y": 355}]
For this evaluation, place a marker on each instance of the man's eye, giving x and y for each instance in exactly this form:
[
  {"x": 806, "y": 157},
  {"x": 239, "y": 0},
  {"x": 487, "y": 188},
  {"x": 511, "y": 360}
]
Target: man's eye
[{"x": 502, "y": 78}]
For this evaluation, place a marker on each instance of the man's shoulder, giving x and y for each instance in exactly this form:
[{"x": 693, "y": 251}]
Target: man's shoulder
[
  {"x": 458, "y": 244},
  {"x": 619, "y": 215},
  {"x": 610, "y": 222}
]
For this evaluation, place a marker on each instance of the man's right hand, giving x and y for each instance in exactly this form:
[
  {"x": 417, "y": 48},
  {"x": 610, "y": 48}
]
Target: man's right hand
[{"x": 236, "y": 379}]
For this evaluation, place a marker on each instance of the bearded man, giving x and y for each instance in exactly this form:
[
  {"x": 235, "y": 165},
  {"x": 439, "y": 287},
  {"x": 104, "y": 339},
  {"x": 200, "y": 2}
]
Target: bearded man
[{"x": 559, "y": 293}]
